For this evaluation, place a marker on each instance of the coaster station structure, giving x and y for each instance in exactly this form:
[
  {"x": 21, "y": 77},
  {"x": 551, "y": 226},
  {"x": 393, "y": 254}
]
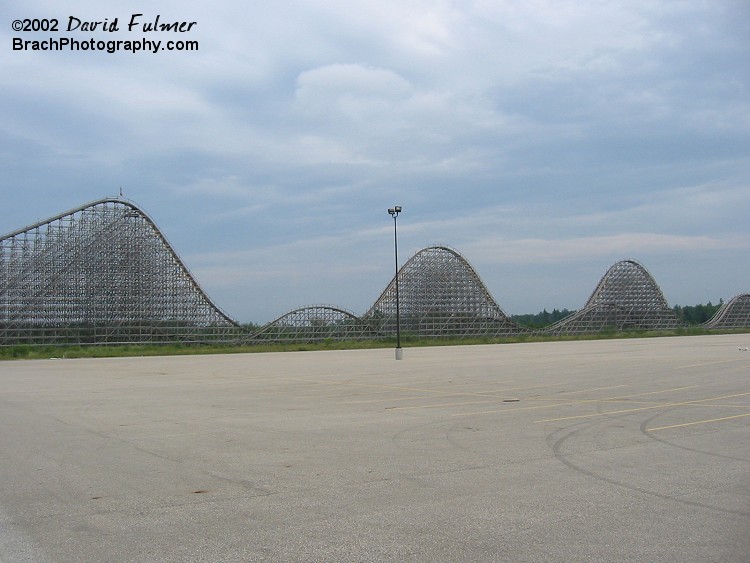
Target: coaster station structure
[{"x": 104, "y": 273}]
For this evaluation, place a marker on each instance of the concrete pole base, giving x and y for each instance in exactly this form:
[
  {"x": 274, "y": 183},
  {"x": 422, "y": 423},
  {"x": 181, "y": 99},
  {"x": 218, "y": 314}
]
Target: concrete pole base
[{"x": 399, "y": 353}]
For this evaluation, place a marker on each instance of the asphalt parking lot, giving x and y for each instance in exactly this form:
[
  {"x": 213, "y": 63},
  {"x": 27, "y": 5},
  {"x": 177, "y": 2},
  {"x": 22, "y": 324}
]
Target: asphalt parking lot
[{"x": 611, "y": 450}]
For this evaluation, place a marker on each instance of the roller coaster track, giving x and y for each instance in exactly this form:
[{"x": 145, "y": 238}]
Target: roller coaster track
[
  {"x": 101, "y": 273},
  {"x": 626, "y": 298},
  {"x": 735, "y": 313},
  {"x": 104, "y": 273}
]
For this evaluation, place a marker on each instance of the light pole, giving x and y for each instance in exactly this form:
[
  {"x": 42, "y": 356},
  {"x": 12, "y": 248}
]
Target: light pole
[{"x": 394, "y": 211}]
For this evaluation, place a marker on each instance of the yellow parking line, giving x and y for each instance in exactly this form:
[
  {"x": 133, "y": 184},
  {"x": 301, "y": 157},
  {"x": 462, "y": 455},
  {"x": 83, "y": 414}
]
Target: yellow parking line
[
  {"x": 578, "y": 402},
  {"x": 489, "y": 401},
  {"x": 577, "y": 392},
  {"x": 438, "y": 393},
  {"x": 464, "y": 383},
  {"x": 663, "y": 405},
  {"x": 697, "y": 422},
  {"x": 437, "y": 406},
  {"x": 703, "y": 364}
]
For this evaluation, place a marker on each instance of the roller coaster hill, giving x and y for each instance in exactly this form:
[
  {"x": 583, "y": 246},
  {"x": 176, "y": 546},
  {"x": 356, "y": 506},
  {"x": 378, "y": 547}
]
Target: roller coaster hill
[{"x": 103, "y": 273}]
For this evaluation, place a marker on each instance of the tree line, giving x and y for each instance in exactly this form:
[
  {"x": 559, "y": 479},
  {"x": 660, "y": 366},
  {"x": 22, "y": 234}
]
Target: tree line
[
  {"x": 697, "y": 314},
  {"x": 539, "y": 320},
  {"x": 687, "y": 314}
]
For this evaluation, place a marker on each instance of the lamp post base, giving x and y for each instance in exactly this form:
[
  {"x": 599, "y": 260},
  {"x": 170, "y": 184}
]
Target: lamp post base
[{"x": 399, "y": 353}]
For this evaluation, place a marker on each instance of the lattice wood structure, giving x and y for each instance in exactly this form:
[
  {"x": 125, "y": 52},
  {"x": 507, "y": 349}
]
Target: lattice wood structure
[
  {"x": 735, "y": 313},
  {"x": 440, "y": 295},
  {"x": 104, "y": 273},
  {"x": 314, "y": 324},
  {"x": 626, "y": 298},
  {"x": 101, "y": 273}
]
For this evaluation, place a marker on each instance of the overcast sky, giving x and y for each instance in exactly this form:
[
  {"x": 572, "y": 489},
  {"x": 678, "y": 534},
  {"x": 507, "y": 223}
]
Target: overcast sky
[{"x": 543, "y": 139}]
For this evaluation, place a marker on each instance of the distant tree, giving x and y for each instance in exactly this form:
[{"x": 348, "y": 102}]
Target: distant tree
[
  {"x": 697, "y": 314},
  {"x": 542, "y": 319}
]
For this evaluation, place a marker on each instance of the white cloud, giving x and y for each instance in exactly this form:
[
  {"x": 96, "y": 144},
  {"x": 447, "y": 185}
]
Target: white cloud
[
  {"x": 544, "y": 131},
  {"x": 341, "y": 86},
  {"x": 546, "y": 251}
]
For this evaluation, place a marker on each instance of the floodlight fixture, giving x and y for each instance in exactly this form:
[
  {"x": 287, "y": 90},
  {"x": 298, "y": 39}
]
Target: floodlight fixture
[{"x": 394, "y": 212}]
